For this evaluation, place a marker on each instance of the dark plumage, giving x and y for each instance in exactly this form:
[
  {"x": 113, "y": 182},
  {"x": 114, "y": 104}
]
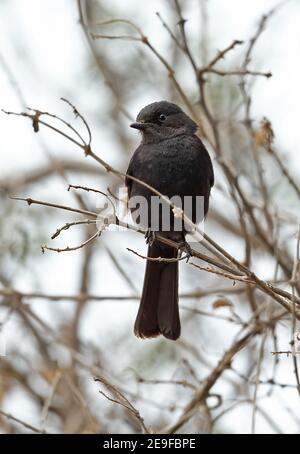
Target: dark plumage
[{"x": 173, "y": 160}]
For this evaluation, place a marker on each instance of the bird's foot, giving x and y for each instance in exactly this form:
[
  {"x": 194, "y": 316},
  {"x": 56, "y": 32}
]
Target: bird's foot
[
  {"x": 185, "y": 247},
  {"x": 150, "y": 237}
]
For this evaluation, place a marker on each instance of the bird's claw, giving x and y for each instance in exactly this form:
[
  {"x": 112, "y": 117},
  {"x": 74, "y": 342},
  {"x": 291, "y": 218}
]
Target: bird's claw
[
  {"x": 150, "y": 237},
  {"x": 185, "y": 247}
]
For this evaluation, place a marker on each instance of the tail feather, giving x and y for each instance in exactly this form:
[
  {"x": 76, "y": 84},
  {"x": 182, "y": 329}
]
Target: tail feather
[
  {"x": 158, "y": 312},
  {"x": 167, "y": 311}
]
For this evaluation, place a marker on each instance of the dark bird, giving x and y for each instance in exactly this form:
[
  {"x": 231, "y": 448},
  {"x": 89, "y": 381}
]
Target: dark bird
[{"x": 174, "y": 161}]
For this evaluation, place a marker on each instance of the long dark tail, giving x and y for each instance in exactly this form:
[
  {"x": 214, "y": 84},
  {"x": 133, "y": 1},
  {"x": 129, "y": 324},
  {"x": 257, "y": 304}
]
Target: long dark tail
[{"x": 158, "y": 312}]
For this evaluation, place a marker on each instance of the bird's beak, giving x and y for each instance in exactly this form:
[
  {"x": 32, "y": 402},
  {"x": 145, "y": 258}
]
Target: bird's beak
[{"x": 139, "y": 125}]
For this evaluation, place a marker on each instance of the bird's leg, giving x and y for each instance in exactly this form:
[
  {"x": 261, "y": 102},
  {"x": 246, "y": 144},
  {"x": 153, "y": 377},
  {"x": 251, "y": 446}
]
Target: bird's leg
[
  {"x": 150, "y": 237},
  {"x": 184, "y": 246}
]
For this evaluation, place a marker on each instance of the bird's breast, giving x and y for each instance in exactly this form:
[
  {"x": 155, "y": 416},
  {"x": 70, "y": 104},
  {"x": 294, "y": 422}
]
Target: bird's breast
[{"x": 172, "y": 170}]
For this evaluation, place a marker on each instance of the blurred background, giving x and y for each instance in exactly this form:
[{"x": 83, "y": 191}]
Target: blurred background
[{"x": 66, "y": 318}]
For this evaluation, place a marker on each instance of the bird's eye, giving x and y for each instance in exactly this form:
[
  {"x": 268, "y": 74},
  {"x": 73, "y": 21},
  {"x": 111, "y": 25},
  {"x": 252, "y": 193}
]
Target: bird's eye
[{"x": 162, "y": 117}]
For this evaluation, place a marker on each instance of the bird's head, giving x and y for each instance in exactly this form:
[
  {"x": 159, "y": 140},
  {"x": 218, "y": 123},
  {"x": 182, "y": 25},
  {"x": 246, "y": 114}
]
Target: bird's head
[{"x": 163, "y": 120}]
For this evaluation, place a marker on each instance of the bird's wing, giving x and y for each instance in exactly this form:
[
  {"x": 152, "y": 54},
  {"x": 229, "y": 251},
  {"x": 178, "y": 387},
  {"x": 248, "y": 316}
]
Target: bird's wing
[
  {"x": 207, "y": 161},
  {"x": 210, "y": 169}
]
